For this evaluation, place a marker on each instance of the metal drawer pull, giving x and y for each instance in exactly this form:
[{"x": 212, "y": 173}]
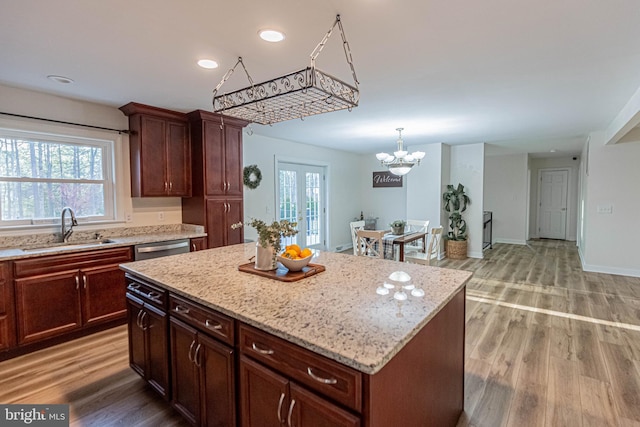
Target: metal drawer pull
[
  {"x": 181, "y": 309},
  {"x": 84, "y": 281},
  {"x": 154, "y": 296},
  {"x": 261, "y": 351},
  {"x": 280, "y": 408},
  {"x": 320, "y": 379},
  {"x": 293, "y": 403},
  {"x": 133, "y": 286},
  {"x": 196, "y": 356},
  {"x": 215, "y": 326},
  {"x": 190, "y": 349}
]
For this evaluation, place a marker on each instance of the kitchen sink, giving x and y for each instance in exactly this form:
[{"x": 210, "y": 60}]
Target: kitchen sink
[{"x": 68, "y": 246}]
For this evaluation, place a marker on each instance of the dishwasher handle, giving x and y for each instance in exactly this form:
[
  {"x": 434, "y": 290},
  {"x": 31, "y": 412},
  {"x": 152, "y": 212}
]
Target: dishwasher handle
[{"x": 159, "y": 248}]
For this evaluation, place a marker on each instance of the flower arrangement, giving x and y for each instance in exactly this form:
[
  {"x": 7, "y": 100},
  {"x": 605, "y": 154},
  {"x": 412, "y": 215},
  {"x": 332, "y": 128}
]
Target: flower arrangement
[{"x": 271, "y": 234}]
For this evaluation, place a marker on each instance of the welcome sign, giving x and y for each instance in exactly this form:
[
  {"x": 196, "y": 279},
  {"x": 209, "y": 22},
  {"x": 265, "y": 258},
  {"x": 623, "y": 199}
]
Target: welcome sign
[{"x": 386, "y": 179}]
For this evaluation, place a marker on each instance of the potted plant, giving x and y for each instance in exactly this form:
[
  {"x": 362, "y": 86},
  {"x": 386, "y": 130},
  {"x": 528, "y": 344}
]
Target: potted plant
[
  {"x": 269, "y": 242},
  {"x": 455, "y": 202},
  {"x": 397, "y": 226}
]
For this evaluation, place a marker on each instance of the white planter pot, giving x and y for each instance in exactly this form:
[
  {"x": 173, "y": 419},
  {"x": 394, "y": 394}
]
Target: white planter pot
[{"x": 265, "y": 258}]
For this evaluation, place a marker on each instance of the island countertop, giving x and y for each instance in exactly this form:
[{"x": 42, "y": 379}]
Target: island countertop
[{"x": 336, "y": 313}]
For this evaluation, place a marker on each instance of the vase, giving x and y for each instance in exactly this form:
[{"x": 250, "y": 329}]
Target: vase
[
  {"x": 397, "y": 230},
  {"x": 265, "y": 258}
]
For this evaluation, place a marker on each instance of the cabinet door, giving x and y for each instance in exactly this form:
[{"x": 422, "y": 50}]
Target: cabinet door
[
  {"x": 178, "y": 160},
  {"x": 216, "y": 222},
  {"x": 155, "y": 327},
  {"x": 137, "y": 351},
  {"x": 214, "y": 159},
  {"x": 234, "y": 215},
  {"x": 263, "y": 395},
  {"x": 103, "y": 290},
  {"x": 153, "y": 157},
  {"x": 198, "y": 244},
  {"x": 306, "y": 409},
  {"x": 7, "y": 317},
  {"x": 185, "y": 381},
  {"x": 233, "y": 161},
  {"x": 47, "y": 305},
  {"x": 217, "y": 366}
]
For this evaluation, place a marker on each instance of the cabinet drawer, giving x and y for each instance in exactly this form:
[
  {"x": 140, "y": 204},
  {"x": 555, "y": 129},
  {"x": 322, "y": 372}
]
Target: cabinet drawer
[
  {"x": 55, "y": 263},
  {"x": 206, "y": 320},
  {"x": 319, "y": 373},
  {"x": 147, "y": 292}
]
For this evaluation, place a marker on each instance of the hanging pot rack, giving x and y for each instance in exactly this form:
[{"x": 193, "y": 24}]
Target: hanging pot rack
[{"x": 295, "y": 95}]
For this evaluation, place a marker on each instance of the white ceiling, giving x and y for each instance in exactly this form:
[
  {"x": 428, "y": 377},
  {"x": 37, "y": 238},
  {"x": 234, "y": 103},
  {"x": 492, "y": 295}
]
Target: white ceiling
[{"x": 521, "y": 76}]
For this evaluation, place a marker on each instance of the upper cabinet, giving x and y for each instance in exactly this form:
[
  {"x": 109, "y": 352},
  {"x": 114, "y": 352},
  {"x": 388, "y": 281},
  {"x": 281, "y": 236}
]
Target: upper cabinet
[
  {"x": 217, "y": 148},
  {"x": 160, "y": 151}
]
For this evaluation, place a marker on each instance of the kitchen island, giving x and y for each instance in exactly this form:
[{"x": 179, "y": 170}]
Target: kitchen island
[{"x": 333, "y": 349}]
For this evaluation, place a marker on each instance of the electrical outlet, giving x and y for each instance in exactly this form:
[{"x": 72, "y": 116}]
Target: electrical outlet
[
  {"x": 128, "y": 217},
  {"x": 160, "y": 216}
]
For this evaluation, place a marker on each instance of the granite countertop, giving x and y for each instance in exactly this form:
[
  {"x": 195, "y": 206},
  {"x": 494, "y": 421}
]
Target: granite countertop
[
  {"x": 336, "y": 313},
  {"x": 30, "y": 246}
]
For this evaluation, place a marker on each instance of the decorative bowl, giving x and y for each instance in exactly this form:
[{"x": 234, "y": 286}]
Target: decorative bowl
[{"x": 294, "y": 264}]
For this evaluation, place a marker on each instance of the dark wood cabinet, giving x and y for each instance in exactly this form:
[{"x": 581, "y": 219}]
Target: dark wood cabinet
[
  {"x": 203, "y": 386},
  {"x": 221, "y": 215},
  {"x": 160, "y": 152},
  {"x": 198, "y": 244},
  {"x": 202, "y": 367},
  {"x": 270, "y": 399},
  {"x": 217, "y": 187},
  {"x": 148, "y": 339},
  {"x": 7, "y": 312},
  {"x": 60, "y": 294}
]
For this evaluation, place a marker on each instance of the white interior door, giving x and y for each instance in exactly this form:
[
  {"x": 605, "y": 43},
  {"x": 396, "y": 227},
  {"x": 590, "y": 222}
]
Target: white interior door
[
  {"x": 552, "y": 204},
  {"x": 301, "y": 199}
]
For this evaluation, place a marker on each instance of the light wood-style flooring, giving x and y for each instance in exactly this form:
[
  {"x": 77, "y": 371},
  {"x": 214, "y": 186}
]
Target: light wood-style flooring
[{"x": 546, "y": 345}]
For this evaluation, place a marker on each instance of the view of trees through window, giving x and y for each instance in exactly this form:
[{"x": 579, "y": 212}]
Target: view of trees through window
[{"x": 38, "y": 178}]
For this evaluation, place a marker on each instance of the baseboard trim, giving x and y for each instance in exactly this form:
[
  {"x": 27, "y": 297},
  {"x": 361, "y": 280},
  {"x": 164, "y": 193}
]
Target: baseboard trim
[
  {"x": 510, "y": 241},
  {"x": 609, "y": 270}
]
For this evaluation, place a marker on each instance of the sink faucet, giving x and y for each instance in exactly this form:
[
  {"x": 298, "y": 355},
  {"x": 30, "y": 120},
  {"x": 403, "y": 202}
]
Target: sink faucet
[{"x": 67, "y": 233}]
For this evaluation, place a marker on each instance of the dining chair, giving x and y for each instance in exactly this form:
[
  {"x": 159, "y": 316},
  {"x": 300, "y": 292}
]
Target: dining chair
[
  {"x": 433, "y": 249},
  {"x": 369, "y": 243},
  {"x": 416, "y": 226},
  {"x": 355, "y": 226}
]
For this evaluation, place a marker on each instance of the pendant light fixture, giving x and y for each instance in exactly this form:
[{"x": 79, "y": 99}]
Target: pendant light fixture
[{"x": 401, "y": 162}]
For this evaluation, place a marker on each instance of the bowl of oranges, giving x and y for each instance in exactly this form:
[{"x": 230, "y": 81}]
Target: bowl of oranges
[{"x": 294, "y": 258}]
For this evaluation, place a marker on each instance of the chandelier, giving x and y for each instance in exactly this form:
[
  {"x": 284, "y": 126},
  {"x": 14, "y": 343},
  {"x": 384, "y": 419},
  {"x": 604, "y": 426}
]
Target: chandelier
[{"x": 401, "y": 162}]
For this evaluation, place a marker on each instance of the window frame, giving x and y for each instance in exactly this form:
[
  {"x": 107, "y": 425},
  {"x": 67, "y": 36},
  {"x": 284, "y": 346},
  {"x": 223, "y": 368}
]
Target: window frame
[{"x": 110, "y": 152}]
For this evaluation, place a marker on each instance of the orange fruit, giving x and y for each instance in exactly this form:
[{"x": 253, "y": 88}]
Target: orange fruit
[
  {"x": 305, "y": 252},
  {"x": 290, "y": 253},
  {"x": 293, "y": 247}
]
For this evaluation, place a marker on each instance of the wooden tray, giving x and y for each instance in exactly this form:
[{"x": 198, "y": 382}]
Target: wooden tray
[{"x": 281, "y": 273}]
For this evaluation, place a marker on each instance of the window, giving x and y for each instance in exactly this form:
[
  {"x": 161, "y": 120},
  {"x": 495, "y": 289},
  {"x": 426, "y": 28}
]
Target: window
[{"x": 42, "y": 173}]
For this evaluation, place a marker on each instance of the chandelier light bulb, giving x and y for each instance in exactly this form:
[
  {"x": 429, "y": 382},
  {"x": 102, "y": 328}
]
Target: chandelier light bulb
[{"x": 401, "y": 162}]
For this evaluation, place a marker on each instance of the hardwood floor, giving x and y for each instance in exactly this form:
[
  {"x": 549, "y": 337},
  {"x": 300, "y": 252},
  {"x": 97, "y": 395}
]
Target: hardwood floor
[{"x": 546, "y": 345}]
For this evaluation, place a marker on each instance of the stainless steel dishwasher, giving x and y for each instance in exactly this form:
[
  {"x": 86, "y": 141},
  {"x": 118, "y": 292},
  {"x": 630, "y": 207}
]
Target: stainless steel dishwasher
[{"x": 160, "y": 249}]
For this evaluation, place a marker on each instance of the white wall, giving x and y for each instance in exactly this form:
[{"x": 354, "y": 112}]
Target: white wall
[
  {"x": 467, "y": 168},
  {"x": 505, "y": 194},
  {"x": 343, "y": 181},
  {"x": 36, "y": 104},
  {"x": 386, "y": 204},
  {"x": 572, "y": 195},
  {"x": 424, "y": 186},
  {"x": 611, "y": 239}
]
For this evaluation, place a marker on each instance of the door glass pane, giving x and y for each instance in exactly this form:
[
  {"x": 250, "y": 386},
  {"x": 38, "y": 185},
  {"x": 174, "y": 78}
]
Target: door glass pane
[
  {"x": 288, "y": 200},
  {"x": 313, "y": 208}
]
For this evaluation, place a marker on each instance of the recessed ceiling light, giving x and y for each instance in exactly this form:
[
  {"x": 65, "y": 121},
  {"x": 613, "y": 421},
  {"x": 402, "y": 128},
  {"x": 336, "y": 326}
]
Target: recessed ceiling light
[
  {"x": 60, "y": 79},
  {"x": 272, "y": 36},
  {"x": 208, "y": 63}
]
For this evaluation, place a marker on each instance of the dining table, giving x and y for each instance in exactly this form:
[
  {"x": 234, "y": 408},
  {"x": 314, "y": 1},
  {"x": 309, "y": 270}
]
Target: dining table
[{"x": 391, "y": 240}]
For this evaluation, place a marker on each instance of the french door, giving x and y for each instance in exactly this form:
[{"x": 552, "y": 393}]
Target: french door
[{"x": 301, "y": 199}]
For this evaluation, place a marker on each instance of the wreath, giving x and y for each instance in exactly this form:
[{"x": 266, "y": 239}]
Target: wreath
[{"x": 252, "y": 176}]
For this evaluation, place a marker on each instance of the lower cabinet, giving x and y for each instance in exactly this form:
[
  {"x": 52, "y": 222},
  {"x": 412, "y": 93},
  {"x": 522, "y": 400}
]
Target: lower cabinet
[
  {"x": 7, "y": 316},
  {"x": 60, "y": 294},
  {"x": 202, "y": 369},
  {"x": 148, "y": 351},
  {"x": 269, "y": 399},
  {"x": 198, "y": 244}
]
